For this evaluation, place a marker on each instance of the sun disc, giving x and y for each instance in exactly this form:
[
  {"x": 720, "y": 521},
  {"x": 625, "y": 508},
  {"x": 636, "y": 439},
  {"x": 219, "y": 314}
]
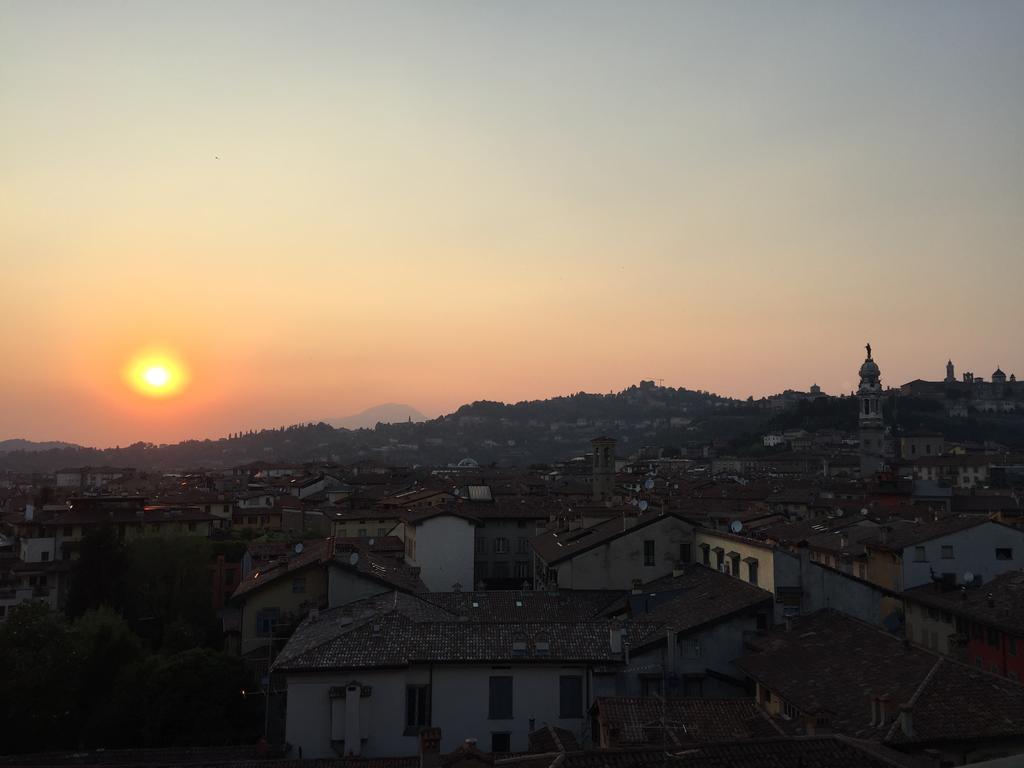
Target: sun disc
[{"x": 156, "y": 375}]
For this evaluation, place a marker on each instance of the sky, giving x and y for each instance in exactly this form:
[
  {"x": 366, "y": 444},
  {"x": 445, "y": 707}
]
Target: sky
[{"x": 315, "y": 207}]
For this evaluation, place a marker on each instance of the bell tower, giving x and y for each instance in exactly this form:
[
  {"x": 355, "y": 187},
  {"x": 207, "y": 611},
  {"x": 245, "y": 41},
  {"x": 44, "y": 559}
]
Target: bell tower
[
  {"x": 872, "y": 429},
  {"x": 604, "y": 468},
  {"x": 950, "y": 373}
]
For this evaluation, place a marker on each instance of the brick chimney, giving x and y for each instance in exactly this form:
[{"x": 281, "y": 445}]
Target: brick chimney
[
  {"x": 430, "y": 747},
  {"x": 883, "y": 710}
]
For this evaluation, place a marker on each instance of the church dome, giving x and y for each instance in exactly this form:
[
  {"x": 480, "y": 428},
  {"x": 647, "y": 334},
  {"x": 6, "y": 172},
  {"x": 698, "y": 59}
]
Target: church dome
[
  {"x": 869, "y": 369},
  {"x": 998, "y": 374}
]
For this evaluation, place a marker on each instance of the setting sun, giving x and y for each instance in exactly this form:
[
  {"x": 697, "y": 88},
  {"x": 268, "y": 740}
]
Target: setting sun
[{"x": 156, "y": 375}]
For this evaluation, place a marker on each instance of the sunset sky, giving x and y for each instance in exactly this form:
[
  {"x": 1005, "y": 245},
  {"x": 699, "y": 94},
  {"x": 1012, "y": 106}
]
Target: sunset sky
[{"x": 315, "y": 207}]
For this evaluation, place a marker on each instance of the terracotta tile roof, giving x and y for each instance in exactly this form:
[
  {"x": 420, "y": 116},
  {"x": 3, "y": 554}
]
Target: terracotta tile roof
[
  {"x": 906, "y": 533},
  {"x": 528, "y": 606},
  {"x": 679, "y": 722},
  {"x": 831, "y": 664},
  {"x": 999, "y": 603},
  {"x": 696, "y": 597},
  {"x": 396, "y": 629},
  {"x": 805, "y": 752},
  {"x": 313, "y": 553},
  {"x": 556, "y": 546},
  {"x": 956, "y": 702}
]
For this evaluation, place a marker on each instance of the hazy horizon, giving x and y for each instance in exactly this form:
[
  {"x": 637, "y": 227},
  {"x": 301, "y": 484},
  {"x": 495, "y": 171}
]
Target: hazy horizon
[{"x": 316, "y": 208}]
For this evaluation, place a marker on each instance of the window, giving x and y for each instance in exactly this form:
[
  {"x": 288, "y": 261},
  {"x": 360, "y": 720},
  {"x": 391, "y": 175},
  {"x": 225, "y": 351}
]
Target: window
[
  {"x": 521, "y": 544},
  {"x": 265, "y": 621},
  {"x": 501, "y": 546},
  {"x": 522, "y": 569},
  {"x": 522, "y": 523},
  {"x": 650, "y": 685},
  {"x": 501, "y": 742},
  {"x": 648, "y": 552},
  {"x": 382, "y": 531},
  {"x": 705, "y": 554},
  {"x": 481, "y": 546},
  {"x": 570, "y": 696},
  {"x": 685, "y": 552},
  {"x": 500, "y": 570},
  {"x": 993, "y": 637},
  {"x": 1011, "y": 646},
  {"x": 947, "y": 551},
  {"x": 1004, "y": 553},
  {"x": 191, "y": 526},
  {"x": 299, "y": 585},
  {"x": 762, "y": 621},
  {"x": 417, "y": 706},
  {"x": 45, "y": 556},
  {"x": 361, "y": 533},
  {"x": 752, "y": 571},
  {"x": 790, "y": 711},
  {"x": 919, "y": 556},
  {"x": 500, "y": 698},
  {"x": 735, "y": 570},
  {"x": 3, "y": 611}
]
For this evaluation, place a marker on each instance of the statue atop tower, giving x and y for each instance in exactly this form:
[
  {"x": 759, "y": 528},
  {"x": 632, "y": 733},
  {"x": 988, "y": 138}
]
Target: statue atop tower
[{"x": 869, "y": 419}]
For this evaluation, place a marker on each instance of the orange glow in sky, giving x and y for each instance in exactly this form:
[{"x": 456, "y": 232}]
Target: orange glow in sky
[{"x": 229, "y": 216}]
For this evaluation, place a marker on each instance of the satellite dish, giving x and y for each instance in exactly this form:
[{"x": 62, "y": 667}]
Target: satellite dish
[
  {"x": 642, "y": 506},
  {"x": 298, "y": 548},
  {"x": 735, "y": 526},
  {"x": 968, "y": 577},
  {"x": 864, "y": 511},
  {"x": 649, "y": 483},
  {"x": 353, "y": 559},
  {"x": 634, "y": 502},
  {"x": 370, "y": 542}
]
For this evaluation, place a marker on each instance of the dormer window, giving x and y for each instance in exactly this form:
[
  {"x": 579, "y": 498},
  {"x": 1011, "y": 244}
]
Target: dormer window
[
  {"x": 519, "y": 645},
  {"x": 542, "y": 645}
]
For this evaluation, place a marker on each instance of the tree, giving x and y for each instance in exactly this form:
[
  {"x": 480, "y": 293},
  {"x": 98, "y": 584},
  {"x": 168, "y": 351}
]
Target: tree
[
  {"x": 103, "y": 644},
  {"x": 98, "y": 576},
  {"x": 36, "y": 702},
  {"x": 171, "y": 596},
  {"x": 187, "y": 699}
]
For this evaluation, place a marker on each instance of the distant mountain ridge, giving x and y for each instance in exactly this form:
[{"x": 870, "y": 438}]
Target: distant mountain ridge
[
  {"x": 385, "y": 413},
  {"x": 31, "y": 446}
]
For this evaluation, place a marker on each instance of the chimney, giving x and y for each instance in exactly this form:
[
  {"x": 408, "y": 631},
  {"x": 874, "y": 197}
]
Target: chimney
[
  {"x": 844, "y": 542},
  {"x": 430, "y": 747},
  {"x": 907, "y": 720},
  {"x": 615, "y": 639},
  {"x": 883, "y": 704}
]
